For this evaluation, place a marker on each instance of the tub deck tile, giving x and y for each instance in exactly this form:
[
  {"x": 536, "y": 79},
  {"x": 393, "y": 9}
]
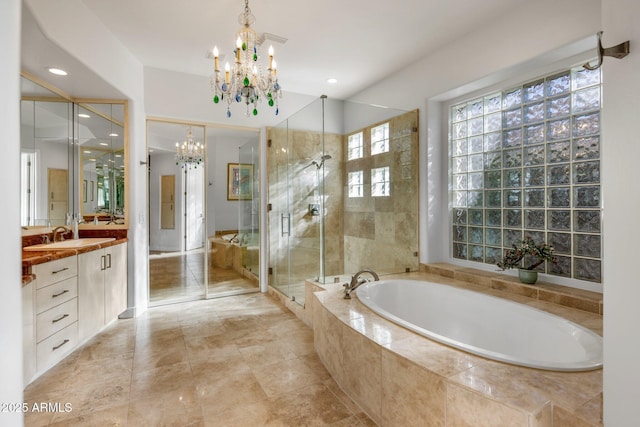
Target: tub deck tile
[
  {"x": 467, "y": 408},
  {"x": 558, "y": 294},
  {"x": 437, "y": 358},
  {"x": 530, "y": 389},
  {"x": 411, "y": 395}
]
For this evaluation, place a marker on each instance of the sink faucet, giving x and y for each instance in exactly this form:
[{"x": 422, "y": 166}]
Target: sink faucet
[
  {"x": 60, "y": 231},
  {"x": 356, "y": 281}
]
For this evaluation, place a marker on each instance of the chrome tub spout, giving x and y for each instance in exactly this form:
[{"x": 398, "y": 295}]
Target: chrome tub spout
[{"x": 357, "y": 280}]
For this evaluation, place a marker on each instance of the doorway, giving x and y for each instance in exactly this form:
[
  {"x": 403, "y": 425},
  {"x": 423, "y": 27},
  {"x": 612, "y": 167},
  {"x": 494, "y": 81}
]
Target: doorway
[
  {"x": 176, "y": 216},
  {"x": 200, "y": 246},
  {"x": 233, "y": 211}
]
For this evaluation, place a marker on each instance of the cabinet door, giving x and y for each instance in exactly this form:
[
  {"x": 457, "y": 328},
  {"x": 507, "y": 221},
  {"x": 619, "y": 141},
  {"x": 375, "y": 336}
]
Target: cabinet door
[
  {"x": 115, "y": 281},
  {"x": 58, "y": 194},
  {"x": 91, "y": 267},
  {"x": 28, "y": 333}
]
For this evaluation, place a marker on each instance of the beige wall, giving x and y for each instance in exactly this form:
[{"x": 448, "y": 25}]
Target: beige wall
[{"x": 381, "y": 233}]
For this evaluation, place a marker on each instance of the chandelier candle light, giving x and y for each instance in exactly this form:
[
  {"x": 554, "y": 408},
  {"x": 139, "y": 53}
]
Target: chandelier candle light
[
  {"x": 190, "y": 152},
  {"x": 245, "y": 81}
]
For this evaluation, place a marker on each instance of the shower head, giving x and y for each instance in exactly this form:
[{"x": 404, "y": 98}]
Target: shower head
[
  {"x": 318, "y": 164},
  {"x": 322, "y": 159}
]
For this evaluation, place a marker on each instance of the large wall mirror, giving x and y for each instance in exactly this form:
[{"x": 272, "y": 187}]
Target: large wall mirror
[
  {"x": 101, "y": 140},
  {"x": 72, "y": 158},
  {"x": 203, "y": 219}
]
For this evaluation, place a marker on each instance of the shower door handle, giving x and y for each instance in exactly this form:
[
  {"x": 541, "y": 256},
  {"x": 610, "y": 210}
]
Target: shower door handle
[{"x": 285, "y": 224}]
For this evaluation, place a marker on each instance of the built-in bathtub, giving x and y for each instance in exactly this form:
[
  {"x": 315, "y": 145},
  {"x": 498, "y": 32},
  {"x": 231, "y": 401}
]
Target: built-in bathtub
[
  {"x": 399, "y": 377},
  {"x": 484, "y": 325},
  {"x": 231, "y": 250}
]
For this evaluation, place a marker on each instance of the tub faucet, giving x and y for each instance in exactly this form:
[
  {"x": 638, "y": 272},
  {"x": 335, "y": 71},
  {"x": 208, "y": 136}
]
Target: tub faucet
[
  {"x": 59, "y": 231},
  {"x": 356, "y": 281}
]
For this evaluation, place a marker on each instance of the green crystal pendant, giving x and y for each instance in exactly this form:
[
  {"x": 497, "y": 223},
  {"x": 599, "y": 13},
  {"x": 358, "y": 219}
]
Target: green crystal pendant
[
  {"x": 216, "y": 99},
  {"x": 270, "y": 102},
  {"x": 246, "y": 81},
  {"x": 255, "y": 57},
  {"x": 244, "y": 46},
  {"x": 255, "y": 112}
]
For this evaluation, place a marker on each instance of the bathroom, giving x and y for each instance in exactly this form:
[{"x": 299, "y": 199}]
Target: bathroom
[{"x": 611, "y": 16}]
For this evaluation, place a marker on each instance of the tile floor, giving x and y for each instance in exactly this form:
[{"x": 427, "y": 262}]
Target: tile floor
[
  {"x": 236, "y": 361},
  {"x": 181, "y": 274}
]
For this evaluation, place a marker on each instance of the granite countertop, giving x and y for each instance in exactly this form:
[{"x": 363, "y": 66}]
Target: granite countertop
[{"x": 31, "y": 258}]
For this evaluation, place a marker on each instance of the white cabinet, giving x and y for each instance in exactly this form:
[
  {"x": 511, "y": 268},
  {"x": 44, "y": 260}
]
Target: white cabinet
[
  {"x": 28, "y": 332},
  {"x": 115, "y": 283},
  {"x": 91, "y": 267},
  {"x": 70, "y": 300},
  {"x": 55, "y": 311},
  {"x": 102, "y": 290}
]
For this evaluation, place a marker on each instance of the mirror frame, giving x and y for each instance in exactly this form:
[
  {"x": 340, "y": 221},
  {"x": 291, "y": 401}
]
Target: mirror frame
[{"x": 82, "y": 102}]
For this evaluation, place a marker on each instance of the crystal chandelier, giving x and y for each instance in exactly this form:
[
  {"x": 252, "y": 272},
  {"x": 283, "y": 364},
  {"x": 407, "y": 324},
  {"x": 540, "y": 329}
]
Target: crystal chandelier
[
  {"x": 245, "y": 80},
  {"x": 190, "y": 152}
]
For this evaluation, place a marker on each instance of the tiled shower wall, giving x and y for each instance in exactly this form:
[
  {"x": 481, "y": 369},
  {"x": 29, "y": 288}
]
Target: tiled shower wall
[
  {"x": 292, "y": 175},
  {"x": 381, "y": 232},
  {"x": 376, "y": 232}
]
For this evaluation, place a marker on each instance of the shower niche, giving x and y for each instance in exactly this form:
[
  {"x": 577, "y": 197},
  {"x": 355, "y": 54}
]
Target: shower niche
[{"x": 343, "y": 191}]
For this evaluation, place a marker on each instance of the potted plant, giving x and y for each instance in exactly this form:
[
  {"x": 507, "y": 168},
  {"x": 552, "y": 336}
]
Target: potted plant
[{"x": 526, "y": 257}]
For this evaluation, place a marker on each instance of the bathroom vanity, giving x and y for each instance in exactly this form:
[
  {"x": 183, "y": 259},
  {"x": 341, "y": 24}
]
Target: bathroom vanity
[{"x": 69, "y": 295}]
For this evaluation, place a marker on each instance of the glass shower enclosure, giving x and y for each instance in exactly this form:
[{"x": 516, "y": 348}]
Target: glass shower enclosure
[{"x": 343, "y": 187}]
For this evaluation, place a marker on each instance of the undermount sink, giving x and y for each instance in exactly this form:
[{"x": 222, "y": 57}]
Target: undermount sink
[{"x": 69, "y": 244}]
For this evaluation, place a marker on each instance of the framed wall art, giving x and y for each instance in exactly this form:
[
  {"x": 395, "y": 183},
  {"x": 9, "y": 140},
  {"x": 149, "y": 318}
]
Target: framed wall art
[{"x": 239, "y": 181}]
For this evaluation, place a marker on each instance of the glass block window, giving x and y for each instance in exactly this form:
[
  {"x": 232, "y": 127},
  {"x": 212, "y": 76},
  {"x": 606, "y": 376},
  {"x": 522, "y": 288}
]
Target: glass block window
[
  {"x": 526, "y": 162},
  {"x": 380, "y": 139},
  {"x": 380, "y": 182},
  {"x": 354, "y": 146},
  {"x": 356, "y": 184}
]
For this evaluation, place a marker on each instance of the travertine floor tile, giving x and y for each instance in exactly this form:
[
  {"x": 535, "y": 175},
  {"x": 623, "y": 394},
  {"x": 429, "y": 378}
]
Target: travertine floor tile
[
  {"x": 285, "y": 377},
  {"x": 234, "y": 361},
  {"x": 115, "y": 416}
]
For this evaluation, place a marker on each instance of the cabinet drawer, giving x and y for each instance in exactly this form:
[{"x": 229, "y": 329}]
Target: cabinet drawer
[
  {"x": 56, "y": 294},
  {"x": 54, "y": 271},
  {"x": 53, "y": 349},
  {"x": 56, "y": 318}
]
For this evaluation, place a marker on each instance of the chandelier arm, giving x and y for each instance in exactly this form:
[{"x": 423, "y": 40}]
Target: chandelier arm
[{"x": 245, "y": 81}]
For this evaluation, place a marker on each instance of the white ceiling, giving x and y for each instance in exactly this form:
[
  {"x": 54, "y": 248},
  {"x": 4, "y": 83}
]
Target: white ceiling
[{"x": 357, "y": 42}]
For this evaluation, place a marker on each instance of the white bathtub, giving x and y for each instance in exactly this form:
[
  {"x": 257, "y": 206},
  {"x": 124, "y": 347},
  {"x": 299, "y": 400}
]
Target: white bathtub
[{"x": 488, "y": 326}]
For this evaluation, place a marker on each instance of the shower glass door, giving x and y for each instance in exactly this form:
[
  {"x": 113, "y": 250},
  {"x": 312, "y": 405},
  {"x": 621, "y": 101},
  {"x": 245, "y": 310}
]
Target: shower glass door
[
  {"x": 295, "y": 167},
  {"x": 249, "y": 210},
  {"x": 343, "y": 186},
  {"x": 233, "y": 211}
]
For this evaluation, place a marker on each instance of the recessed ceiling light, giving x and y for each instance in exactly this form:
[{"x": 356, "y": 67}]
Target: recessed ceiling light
[
  {"x": 93, "y": 160},
  {"x": 104, "y": 143},
  {"x": 332, "y": 81},
  {"x": 113, "y": 134},
  {"x": 57, "y": 71},
  {"x": 87, "y": 151},
  {"x": 118, "y": 155},
  {"x": 84, "y": 116}
]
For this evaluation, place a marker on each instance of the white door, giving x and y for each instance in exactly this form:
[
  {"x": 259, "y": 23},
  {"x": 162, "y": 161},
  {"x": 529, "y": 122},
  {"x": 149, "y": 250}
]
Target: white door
[{"x": 194, "y": 208}]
